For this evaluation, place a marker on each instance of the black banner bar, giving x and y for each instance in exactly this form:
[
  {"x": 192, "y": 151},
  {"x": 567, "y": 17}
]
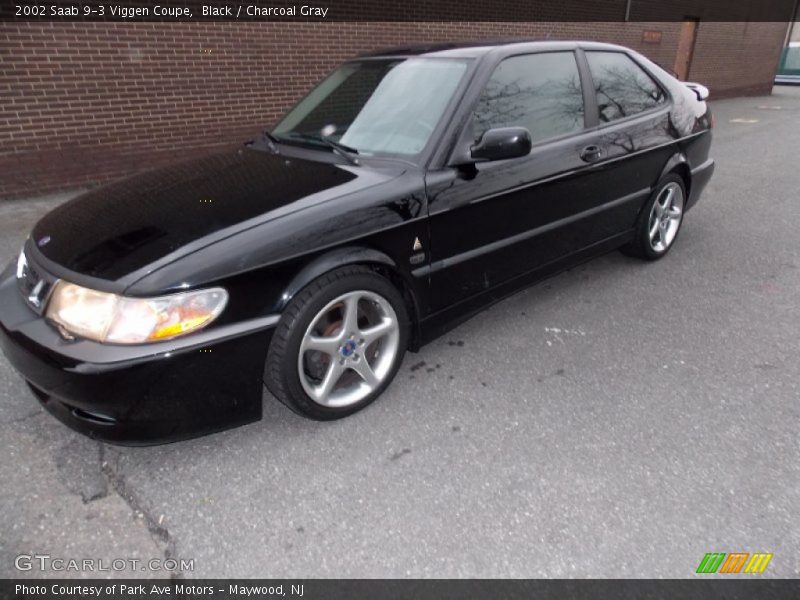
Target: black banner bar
[
  {"x": 392, "y": 10},
  {"x": 735, "y": 588}
]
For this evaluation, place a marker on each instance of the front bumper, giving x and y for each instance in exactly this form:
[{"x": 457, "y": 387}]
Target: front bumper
[{"x": 138, "y": 395}]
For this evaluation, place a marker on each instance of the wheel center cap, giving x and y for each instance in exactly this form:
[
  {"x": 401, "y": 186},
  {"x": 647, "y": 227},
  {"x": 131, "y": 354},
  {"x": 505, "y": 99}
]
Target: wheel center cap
[{"x": 348, "y": 348}]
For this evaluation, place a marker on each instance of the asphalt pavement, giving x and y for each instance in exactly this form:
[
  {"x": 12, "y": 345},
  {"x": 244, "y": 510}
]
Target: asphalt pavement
[{"x": 619, "y": 420}]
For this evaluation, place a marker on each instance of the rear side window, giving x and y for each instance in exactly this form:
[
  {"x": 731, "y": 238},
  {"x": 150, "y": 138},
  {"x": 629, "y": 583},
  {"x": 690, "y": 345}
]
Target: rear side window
[
  {"x": 622, "y": 87},
  {"x": 541, "y": 92}
]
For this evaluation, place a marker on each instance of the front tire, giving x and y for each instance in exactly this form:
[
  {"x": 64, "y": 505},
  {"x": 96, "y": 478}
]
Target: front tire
[
  {"x": 660, "y": 220},
  {"x": 338, "y": 344}
]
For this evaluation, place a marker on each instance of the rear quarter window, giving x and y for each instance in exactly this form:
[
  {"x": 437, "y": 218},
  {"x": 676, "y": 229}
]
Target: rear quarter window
[{"x": 621, "y": 86}]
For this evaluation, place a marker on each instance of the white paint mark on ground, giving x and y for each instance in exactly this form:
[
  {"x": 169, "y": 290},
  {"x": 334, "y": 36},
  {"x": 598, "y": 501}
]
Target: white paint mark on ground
[{"x": 556, "y": 334}]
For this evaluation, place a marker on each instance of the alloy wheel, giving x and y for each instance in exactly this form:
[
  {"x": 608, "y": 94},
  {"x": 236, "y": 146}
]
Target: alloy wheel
[
  {"x": 665, "y": 217},
  {"x": 349, "y": 349}
]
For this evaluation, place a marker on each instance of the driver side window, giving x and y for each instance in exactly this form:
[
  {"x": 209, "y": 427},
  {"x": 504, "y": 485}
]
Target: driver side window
[{"x": 541, "y": 92}]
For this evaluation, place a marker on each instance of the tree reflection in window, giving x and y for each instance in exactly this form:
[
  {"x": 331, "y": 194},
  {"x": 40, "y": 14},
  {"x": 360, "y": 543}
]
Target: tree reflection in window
[
  {"x": 541, "y": 92},
  {"x": 621, "y": 86}
]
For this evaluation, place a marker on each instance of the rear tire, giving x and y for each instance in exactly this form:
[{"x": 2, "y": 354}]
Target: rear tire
[
  {"x": 338, "y": 344},
  {"x": 660, "y": 220}
]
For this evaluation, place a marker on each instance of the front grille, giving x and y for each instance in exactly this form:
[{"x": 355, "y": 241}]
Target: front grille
[{"x": 34, "y": 283}]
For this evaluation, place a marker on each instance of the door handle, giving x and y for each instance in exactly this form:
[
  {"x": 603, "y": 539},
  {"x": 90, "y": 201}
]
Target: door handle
[{"x": 591, "y": 153}]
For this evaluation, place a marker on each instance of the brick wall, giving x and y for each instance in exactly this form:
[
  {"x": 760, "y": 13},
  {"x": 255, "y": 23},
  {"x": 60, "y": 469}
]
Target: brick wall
[
  {"x": 737, "y": 59},
  {"x": 85, "y": 103}
]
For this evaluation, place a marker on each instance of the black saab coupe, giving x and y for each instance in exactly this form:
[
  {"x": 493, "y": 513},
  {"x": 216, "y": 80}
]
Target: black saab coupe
[{"x": 411, "y": 188}]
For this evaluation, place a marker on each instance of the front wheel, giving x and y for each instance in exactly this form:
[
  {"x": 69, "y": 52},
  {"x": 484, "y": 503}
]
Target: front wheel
[
  {"x": 661, "y": 219},
  {"x": 338, "y": 345}
]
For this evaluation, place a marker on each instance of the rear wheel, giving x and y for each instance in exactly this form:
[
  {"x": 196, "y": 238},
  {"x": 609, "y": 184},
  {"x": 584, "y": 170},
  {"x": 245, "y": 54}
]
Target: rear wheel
[
  {"x": 338, "y": 345},
  {"x": 661, "y": 219}
]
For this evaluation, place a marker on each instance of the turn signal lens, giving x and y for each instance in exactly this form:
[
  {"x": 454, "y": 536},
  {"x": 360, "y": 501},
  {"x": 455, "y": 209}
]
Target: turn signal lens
[{"x": 117, "y": 319}]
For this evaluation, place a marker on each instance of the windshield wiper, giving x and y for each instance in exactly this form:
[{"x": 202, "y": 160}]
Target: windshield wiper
[{"x": 342, "y": 150}]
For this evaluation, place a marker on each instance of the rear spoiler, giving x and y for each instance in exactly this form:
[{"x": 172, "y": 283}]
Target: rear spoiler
[{"x": 700, "y": 91}]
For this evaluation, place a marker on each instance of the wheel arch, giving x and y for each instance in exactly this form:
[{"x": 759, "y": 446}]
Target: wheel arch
[
  {"x": 679, "y": 164},
  {"x": 377, "y": 260}
]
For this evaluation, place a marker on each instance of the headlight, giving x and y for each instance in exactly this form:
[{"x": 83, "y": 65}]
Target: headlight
[{"x": 117, "y": 319}]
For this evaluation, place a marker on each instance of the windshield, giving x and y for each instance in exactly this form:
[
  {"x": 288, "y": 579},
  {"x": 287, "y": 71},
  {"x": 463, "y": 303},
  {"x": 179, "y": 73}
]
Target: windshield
[{"x": 378, "y": 106}]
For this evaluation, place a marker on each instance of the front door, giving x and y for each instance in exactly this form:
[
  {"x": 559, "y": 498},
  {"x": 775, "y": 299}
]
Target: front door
[{"x": 505, "y": 218}]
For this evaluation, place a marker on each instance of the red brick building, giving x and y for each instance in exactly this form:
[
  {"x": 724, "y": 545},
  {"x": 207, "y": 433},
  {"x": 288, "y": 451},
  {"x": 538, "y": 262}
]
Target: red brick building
[{"x": 82, "y": 103}]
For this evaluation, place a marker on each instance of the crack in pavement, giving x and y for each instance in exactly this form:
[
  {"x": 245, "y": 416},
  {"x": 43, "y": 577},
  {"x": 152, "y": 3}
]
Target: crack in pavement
[
  {"x": 23, "y": 418},
  {"x": 77, "y": 464},
  {"x": 117, "y": 481}
]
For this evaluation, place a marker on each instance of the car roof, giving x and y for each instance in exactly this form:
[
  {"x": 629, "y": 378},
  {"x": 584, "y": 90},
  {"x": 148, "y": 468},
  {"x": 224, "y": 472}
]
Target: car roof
[{"x": 477, "y": 48}]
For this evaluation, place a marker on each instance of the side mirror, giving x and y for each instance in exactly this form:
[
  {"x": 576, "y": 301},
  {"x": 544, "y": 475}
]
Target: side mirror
[{"x": 502, "y": 143}]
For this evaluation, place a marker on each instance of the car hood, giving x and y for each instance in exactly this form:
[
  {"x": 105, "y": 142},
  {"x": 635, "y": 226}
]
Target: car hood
[{"x": 120, "y": 229}]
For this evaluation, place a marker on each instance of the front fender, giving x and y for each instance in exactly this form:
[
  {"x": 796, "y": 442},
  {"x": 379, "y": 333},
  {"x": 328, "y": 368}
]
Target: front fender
[
  {"x": 330, "y": 261},
  {"x": 363, "y": 256}
]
